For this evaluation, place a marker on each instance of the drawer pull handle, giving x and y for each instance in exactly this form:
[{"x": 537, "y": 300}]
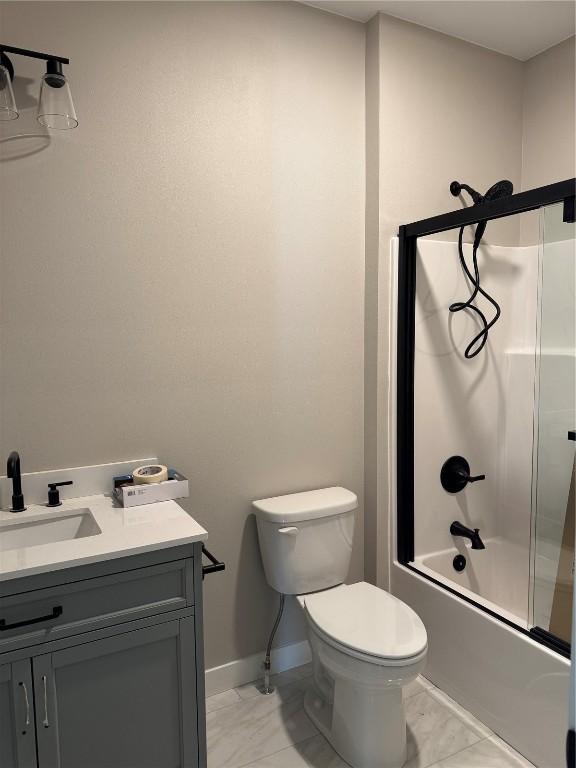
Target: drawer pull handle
[
  {"x": 56, "y": 611},
  {"x": 45, "y": 722},
  {"x": 216, "y": 564},
  {"x": 26, "y": 702}
]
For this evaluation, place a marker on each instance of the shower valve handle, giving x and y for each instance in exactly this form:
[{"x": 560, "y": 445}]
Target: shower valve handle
[{"x": 455, "y": 474}]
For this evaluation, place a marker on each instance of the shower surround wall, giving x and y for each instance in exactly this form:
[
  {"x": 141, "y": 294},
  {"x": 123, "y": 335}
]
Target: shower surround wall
[
  {"x": 182, "y": 275},
  {"x": 508, "y": 411},
  {"x": 482, "y": 409}
]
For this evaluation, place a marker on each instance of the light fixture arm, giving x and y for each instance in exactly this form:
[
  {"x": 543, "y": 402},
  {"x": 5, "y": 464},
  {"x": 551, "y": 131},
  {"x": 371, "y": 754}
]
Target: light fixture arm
[
  {"x": 54, "y": 62},
  {"x": 33, "y": 54}
]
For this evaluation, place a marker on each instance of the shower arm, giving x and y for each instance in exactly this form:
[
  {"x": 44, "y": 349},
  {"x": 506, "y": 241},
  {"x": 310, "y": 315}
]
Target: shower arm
[{"x": 456, "y": 188}]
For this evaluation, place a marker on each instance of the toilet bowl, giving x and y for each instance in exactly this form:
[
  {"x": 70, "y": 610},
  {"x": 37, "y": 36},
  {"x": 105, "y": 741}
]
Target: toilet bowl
[{"x": 366, "y": 644}]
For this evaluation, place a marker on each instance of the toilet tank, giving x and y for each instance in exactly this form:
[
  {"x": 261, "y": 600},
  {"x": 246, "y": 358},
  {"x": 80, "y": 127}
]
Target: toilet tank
[{"x": 306, "y": 539}]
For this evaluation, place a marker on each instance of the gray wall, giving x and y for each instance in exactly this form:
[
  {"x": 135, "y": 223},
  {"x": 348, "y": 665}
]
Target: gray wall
[
  {"x": 549, "y": 124},
  {"x": 376, "y": 540},
  {"x": 183, "y": 274},
  {"x": 549, "y": 128}
]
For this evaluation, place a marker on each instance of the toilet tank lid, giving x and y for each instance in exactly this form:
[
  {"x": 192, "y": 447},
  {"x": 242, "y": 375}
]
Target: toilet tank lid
[{"x": 308, "y": 505}]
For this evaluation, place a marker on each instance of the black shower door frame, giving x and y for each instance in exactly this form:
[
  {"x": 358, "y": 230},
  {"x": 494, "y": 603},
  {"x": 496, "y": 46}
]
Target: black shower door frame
[{"x": 408, "y": 234}]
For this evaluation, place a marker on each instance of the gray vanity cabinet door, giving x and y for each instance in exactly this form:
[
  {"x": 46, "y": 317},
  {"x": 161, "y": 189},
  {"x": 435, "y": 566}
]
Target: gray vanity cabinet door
[
  {"x": 17, "y": 734},
  {"x": 126, "y": 701}
]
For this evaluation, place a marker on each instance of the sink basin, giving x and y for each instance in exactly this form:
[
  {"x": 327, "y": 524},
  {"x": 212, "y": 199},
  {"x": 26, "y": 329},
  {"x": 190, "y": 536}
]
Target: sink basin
[{"x": 73, "y": 524}]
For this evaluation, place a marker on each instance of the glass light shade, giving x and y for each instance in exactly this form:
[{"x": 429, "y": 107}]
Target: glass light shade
[
  {"x": 8, "y": 109},
  {"x": 56, "y": 108}
]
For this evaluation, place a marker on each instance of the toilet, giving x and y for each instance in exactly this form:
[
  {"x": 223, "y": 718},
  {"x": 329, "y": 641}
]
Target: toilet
[{"x": 366, "y": 644}]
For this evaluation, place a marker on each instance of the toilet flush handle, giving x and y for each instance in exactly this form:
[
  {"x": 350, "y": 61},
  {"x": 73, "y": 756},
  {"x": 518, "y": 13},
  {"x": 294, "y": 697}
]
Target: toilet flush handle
[{"x": 290, "y": 531}]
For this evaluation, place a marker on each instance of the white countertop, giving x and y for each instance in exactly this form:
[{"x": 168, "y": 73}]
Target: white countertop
[{"x": 125, "y": 532}]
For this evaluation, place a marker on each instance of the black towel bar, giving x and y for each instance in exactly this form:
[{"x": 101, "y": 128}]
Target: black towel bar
[{"x": 215, "y": 566}]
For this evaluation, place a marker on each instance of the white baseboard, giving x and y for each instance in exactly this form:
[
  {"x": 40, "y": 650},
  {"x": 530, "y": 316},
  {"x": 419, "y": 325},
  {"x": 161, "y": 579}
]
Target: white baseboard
[{"x": 242, "y": 671}]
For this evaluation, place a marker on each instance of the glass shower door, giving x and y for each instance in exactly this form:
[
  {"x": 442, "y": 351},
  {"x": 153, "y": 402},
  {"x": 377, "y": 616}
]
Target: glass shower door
[{"x": 554, "y": 475}]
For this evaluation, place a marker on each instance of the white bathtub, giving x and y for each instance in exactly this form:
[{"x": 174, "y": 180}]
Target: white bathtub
[
  {"x": 496, "y": 577},
  {"x": 515, "y": 685}
]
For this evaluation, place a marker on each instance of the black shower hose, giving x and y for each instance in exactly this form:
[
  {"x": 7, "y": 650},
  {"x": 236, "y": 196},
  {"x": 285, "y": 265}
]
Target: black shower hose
[{"x": 481, "y": 338}]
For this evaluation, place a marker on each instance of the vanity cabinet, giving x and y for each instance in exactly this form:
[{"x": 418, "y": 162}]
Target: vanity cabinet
[
  {"x": 17, "y": 722},
  {"x": 127, "y": 694}
]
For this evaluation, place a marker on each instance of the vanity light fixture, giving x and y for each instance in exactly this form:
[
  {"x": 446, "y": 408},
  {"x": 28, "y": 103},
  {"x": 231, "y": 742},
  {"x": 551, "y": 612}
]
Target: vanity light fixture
[
  {"x": 55, "y": 106},
  {"x": 8, "y": 110}
]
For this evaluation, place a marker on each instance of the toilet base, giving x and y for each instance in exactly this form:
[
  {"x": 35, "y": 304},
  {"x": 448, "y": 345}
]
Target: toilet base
[
  {"x": 358, "y": 707},
  {"x": 366, "y": 733}
]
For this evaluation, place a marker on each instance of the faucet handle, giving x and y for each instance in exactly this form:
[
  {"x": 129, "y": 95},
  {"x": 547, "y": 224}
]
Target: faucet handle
[
  {"x": 54, "y": 493},
  {"x": 455, "y": 474}
]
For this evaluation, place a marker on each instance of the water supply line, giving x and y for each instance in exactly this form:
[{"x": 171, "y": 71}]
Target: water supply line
[{"x": 267, "y": 689}]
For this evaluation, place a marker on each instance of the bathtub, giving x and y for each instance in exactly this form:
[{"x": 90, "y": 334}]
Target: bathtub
[
  {"x": 515, "y": 685},
  {"x": 496, "y": 577}
]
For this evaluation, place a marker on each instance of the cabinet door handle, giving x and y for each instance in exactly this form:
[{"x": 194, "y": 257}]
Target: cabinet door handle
[
  {"x": 56, "y": 611},
  {"x": 26, "y": 702},
  {"x": 45, "y": 722}
]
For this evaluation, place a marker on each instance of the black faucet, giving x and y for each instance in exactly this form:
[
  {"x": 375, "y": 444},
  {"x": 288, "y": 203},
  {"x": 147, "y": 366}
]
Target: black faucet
[
  {"x": 13, "y": 472},
  {"x": 457, "y": 529}
]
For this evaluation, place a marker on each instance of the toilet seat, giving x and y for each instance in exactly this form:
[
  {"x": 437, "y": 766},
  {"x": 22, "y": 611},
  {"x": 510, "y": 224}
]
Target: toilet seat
[{"x": 367, "y": 623}]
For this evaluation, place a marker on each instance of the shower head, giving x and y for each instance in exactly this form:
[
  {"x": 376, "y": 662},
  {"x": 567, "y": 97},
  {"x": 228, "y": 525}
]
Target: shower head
[{"x": 502, "y": 188}]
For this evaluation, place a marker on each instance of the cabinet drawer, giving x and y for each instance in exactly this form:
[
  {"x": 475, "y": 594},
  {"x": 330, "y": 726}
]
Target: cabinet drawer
[{"x": 81, "y": 606}]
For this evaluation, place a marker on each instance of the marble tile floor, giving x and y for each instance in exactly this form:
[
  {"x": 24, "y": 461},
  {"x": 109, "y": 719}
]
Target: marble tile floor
[{"x": 248, "y": 730}]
